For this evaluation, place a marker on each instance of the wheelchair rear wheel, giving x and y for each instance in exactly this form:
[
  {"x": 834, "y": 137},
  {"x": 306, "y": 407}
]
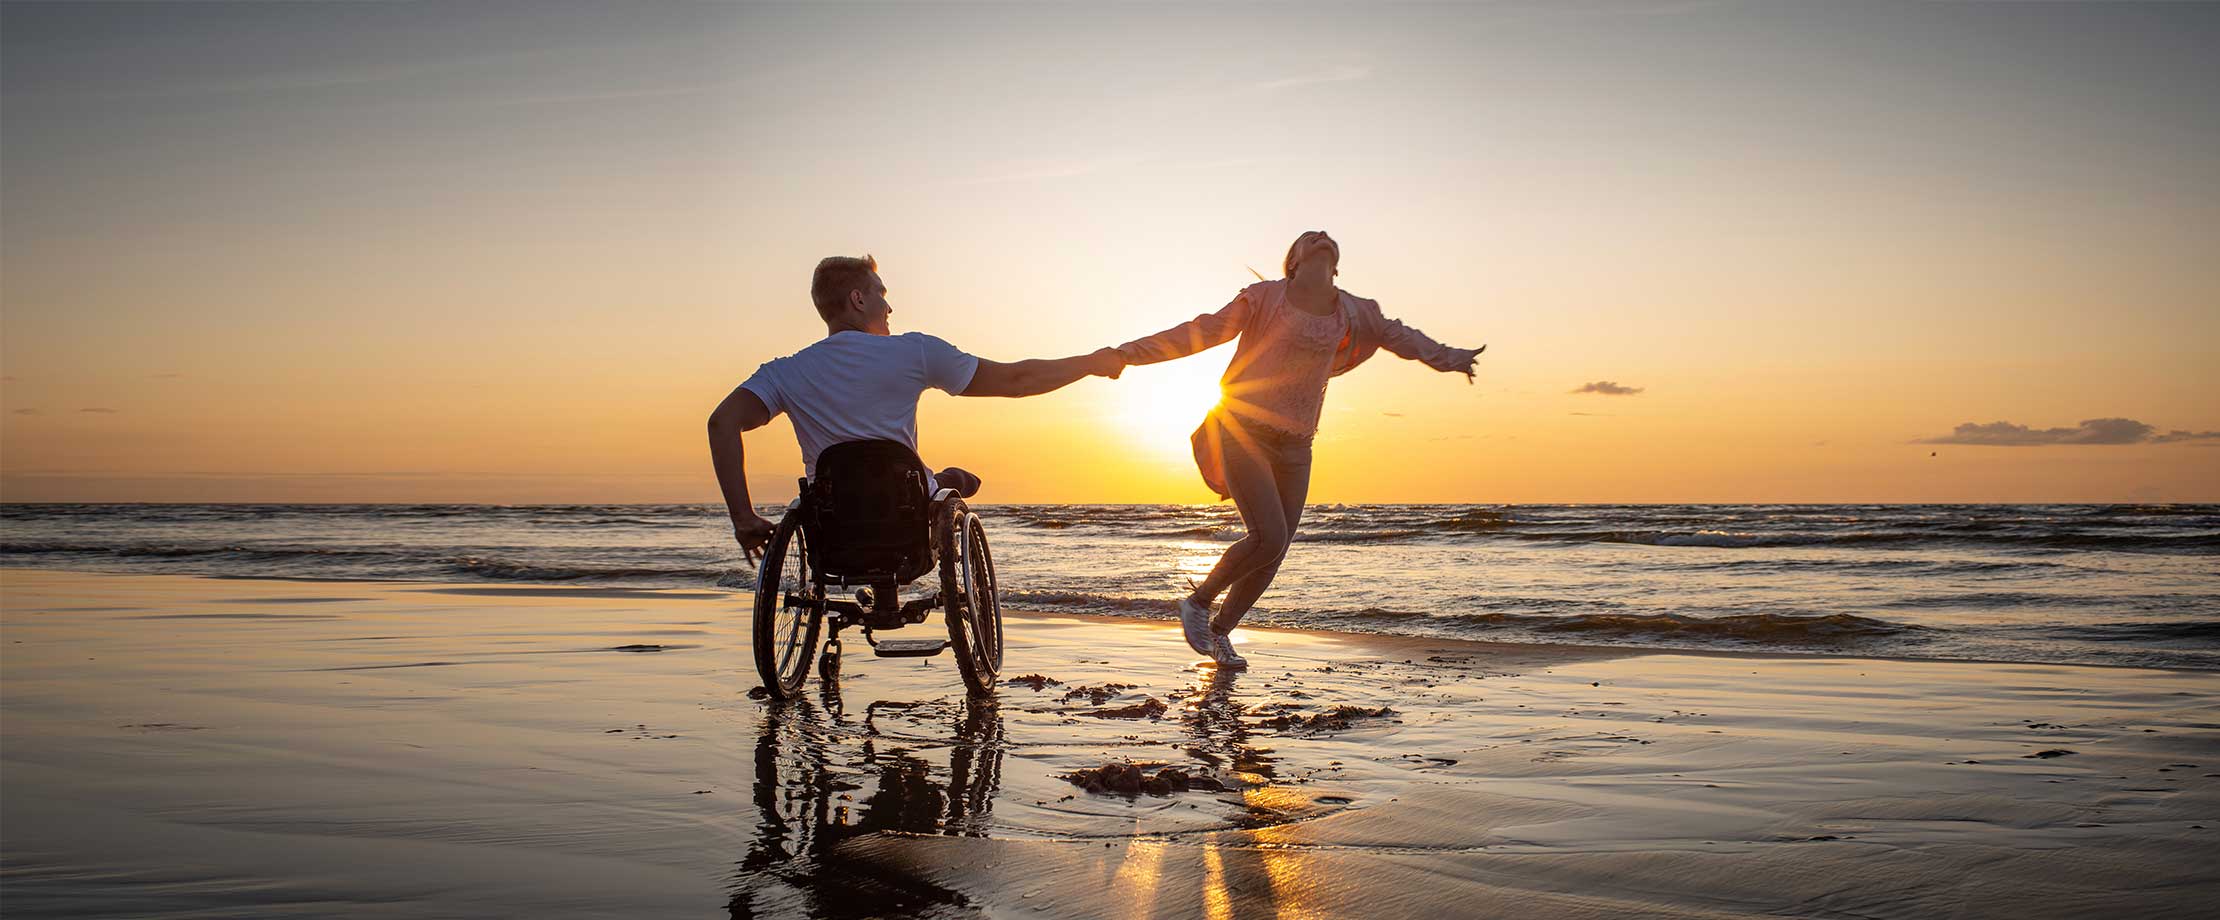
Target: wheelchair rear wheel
[
  {"x": 789, "y": 610},
  {"x": 971, "y": 604}
]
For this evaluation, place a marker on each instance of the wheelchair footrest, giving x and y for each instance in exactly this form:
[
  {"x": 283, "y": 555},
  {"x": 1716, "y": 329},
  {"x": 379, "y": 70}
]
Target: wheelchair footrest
[{"x": 909, "y": 648}]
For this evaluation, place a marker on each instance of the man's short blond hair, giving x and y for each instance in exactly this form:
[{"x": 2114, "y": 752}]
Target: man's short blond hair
[{"x": 835, "y": 277}]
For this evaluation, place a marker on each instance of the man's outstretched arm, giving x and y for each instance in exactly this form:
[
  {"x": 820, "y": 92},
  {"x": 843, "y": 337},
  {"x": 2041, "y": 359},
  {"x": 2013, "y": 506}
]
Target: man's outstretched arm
[
  {"x": 1041, "y": 375},
  {"x": 741, "y": 411}
]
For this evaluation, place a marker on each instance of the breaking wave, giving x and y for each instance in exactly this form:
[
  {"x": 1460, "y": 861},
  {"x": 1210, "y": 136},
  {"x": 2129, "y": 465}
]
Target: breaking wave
[{"x": 2068, "y": 583}]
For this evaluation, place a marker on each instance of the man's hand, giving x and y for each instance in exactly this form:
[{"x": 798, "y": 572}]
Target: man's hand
[
  {"x": 752, "y": 530},
  {"x": 1107, "y": 362}
]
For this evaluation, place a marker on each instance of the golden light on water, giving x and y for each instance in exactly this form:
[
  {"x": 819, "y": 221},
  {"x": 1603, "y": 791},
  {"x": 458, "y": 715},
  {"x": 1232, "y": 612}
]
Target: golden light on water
[
  {"x": 1295, "y": 883},
  {"x": 1197, "y": 556},
  {"x": 1217, "y": 905},
  {"x": 1137, "y": 874}
]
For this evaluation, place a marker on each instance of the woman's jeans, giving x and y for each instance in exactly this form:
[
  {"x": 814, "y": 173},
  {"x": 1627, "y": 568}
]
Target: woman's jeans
[{"x": 1267, "y": 473}]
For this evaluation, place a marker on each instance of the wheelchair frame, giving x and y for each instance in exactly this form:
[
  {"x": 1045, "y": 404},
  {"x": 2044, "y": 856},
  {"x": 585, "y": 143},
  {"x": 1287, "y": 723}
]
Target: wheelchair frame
[{"x": 794, "y": 594}]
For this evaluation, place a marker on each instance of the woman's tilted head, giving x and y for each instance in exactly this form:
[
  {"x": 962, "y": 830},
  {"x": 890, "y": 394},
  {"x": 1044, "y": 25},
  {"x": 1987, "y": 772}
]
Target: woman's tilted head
[{"x": 1314, "y": 244}]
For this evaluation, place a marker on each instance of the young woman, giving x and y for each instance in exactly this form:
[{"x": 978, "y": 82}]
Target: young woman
[{"x": 1254, "y": 446}]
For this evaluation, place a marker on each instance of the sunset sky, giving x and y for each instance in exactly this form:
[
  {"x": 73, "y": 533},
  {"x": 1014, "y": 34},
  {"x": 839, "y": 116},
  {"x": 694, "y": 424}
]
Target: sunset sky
[{"x": 516, "y": 253}]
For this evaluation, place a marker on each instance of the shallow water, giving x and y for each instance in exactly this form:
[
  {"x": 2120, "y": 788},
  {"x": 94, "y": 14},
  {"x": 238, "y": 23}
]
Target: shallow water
[
  {"x": 2101, "y": 584},
  {"x": 192, "y": 747}
]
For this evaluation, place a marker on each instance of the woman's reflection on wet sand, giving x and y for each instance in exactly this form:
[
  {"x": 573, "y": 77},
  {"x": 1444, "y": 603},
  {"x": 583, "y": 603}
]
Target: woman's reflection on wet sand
[
  {"x": 822, "y": 777},
  {"x": 1238, "y": 880},
  {"x": 1213, "y": 720}
]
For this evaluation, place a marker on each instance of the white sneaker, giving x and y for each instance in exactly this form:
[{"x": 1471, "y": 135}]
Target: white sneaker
[
  {"x": 1221, "y": 648},
  {"x": 1194, "y": 620}
]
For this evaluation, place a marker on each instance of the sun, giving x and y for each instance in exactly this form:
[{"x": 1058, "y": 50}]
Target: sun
[{"x": 1161, "y": 404}]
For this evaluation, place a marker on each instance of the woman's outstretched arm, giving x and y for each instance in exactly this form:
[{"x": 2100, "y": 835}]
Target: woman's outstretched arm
[
  {"x": 1406, "y": 342},
  {"x": 1206, "y": 331}
]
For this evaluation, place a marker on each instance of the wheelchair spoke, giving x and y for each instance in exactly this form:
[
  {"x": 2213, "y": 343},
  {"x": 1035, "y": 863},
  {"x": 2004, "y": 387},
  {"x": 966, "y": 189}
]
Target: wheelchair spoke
[{"x": 790, "y": 621}]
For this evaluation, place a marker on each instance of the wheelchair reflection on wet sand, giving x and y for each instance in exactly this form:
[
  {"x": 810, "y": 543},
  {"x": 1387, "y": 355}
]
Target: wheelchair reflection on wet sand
[
  {"x": 826, "y": 772},
  {"x": 823, "y": 776}
]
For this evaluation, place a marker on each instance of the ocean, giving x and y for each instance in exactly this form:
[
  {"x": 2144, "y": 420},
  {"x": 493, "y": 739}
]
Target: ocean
[{"x": 2089, "y": 584}]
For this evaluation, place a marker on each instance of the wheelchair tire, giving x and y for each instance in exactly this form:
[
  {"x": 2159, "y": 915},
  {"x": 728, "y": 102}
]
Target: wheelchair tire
[
  {"x": 786, "y": 633},
  {"x": 969, "y": 599}
]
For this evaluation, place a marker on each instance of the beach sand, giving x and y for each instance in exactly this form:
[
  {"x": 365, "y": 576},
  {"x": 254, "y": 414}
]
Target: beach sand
[{"x": 177, "y": 746}]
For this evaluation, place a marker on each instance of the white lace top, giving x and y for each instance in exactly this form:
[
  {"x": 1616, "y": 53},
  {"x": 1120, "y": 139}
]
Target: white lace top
[{"x": 1279, "y": 381}]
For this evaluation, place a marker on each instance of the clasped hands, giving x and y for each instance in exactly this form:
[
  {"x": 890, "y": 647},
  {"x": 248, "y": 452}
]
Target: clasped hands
[{"x": 1105, "y": 362}]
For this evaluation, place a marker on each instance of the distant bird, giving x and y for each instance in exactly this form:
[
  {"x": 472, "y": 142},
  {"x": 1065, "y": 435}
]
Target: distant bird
[{"x": 1930, "y": 453}]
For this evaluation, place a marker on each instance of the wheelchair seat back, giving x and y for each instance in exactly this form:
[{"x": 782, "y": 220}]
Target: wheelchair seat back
[{"x": 869, "y": 514}]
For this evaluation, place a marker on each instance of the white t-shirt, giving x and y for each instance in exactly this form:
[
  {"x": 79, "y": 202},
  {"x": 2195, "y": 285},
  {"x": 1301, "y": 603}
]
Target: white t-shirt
[{"x": 855, "y": 386}]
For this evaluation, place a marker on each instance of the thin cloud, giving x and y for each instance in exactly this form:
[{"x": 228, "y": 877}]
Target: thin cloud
[
  {"x": 619, "y": 95},
  {"x": 1643, "y": 10},
  {"x": 164, "y": 376},
  {"x": 1059, "y": 169},
  {"x": 2095, "y": 431},
  {"x": 27, "y": 412},
  {"x": 1220, "y": 163},
  {"x": 1608, "y": 388},
  {"x": 2181, "y": 435},
  {"x": 1392, "y": 414},
  {"x": 1342, "y": 74},
  {"x": 324, "y": 77},
  {"x": 97, "y": 410},
  {"x": 1221, "y": 93}
]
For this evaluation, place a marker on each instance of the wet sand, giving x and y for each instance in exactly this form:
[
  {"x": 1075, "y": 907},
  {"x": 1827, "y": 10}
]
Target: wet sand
[{"x": 174, "y": 746}]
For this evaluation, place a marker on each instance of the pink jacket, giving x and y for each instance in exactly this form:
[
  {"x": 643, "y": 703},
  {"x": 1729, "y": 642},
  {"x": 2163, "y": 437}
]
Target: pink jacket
[{"x": 1369, "y": 331}]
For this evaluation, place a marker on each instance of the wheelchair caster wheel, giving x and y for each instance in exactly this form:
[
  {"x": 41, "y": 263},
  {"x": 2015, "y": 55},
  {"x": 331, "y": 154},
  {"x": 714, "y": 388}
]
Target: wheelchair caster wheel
[{"x": 828, "y": 663}]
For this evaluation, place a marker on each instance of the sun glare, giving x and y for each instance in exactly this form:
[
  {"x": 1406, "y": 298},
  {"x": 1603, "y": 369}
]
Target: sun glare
[{"x": 1162, "y": 403}]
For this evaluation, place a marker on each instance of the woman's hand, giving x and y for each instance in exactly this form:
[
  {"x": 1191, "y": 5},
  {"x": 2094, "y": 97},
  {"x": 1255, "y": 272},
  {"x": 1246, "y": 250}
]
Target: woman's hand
[{"x": 1470, "y": 357}]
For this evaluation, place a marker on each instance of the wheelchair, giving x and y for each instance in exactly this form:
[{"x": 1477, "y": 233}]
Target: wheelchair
[{"x": 864, "y": 527}]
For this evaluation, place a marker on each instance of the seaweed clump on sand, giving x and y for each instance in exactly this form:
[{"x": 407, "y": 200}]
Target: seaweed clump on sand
[
  {"x": 1034, "y": 682},
  {"x": 1151, "y": 708},
  {"x": 1096, "y": 695},
  {"x": 1131, "y": 779},
  {"x": 1336, "y": 719}
]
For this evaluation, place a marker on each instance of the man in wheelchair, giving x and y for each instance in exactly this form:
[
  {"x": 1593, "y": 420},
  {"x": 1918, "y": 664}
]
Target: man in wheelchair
[{"x": 852, "y": 397}]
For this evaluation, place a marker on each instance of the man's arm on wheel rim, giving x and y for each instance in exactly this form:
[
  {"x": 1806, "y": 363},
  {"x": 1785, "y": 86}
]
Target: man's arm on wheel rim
[{"x": 740, "y": 411}]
